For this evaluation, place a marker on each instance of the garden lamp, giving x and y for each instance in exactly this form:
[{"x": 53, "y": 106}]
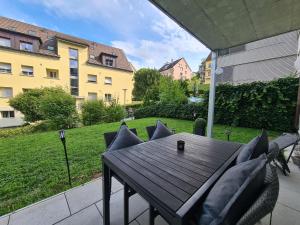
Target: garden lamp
[{"x": 63, "y": 140}]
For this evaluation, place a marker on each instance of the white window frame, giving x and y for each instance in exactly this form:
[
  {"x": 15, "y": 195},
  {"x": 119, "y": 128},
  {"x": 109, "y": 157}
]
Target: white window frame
[
  {"x": 26, "y": 46},
  {"x": 9, "y": 112},
  {"x": 5, "y": 67},
  {"x": 5, "y": 42},
  {"x": 7, "y": 90},
  {"x": 108, "y": 80},
  {"x": 91, "y": 78},
  {"x": 27, "y": 70},
  {"x": 107, "y": 98}
]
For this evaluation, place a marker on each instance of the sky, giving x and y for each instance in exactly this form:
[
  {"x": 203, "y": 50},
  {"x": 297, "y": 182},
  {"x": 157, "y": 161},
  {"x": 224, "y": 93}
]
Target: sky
[{"x": 148, "y": 37}]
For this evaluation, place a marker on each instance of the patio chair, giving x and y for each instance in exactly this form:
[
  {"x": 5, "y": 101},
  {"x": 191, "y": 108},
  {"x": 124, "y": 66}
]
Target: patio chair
[
  {"x": 285, "y": 140},
  {"x": 150, "y": 130},
  {"x": 265, "y": 202}
]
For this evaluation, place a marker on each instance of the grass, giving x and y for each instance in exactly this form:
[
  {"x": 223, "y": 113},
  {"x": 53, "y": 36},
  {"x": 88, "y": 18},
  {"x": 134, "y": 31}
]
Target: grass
[{"x": 32, "y": 167}]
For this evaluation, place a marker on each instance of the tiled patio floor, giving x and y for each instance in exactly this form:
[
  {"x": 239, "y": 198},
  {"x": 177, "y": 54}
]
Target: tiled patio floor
[{"x": 83, "y": 206}]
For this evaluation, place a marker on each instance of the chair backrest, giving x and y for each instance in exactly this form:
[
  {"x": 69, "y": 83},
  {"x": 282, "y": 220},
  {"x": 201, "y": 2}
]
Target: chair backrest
[
  {"x": 286, "y": 140},
  {"x": 150, "y": 130},
  {"x": 265, "y": 202},
  {"x": 110, "y": 136}
]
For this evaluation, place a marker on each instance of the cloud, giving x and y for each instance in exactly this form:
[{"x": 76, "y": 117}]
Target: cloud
[
  {"x": 147, "y": 36},
  {"x": 173, "y": 42}
]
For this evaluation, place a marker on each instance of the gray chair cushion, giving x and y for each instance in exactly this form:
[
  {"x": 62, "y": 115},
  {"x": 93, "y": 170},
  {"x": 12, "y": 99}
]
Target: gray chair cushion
[
  {"x": 257, "y": 146},
  {"x": 160, "y": 131},
  {"x": 233, "y": 193},
  {"x": 124, "y": 138}
]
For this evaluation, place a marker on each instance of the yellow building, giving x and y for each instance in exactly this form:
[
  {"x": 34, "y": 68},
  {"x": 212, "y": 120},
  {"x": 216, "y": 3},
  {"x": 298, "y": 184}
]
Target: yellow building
[
  {"x": 207, "y": 69},
  {"x": 34, "y": 57}
]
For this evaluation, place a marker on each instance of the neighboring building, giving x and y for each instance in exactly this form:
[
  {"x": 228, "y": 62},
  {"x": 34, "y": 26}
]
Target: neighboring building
[
  {"x": 178, "y": 69},
  {"x": 205, "y": 70},
  {"x": 34, "y": 57},
  {"x": 262, "y": 60}
]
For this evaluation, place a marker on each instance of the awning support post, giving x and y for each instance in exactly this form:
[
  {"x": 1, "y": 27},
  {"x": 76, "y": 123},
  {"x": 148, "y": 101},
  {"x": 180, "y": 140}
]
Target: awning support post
[{"x": 212, "y": 90}]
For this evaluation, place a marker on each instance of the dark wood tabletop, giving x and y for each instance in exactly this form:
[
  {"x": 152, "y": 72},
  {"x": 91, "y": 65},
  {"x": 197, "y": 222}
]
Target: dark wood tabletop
[{"x": 172, "y": 181}]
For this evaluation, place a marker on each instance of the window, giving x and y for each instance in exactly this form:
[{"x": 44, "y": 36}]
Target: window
[
  {"x": 53, "y": 74},
  {"x": 50, "y": 48},
  {"x": 92, "y": 57},
  {"x": 92, "y": 96},
  {"x": 5, "y": 68},
  {"x": 109, "y": 62},
  {"x": 5, "y": 42},
  {"x": 74, "y": 91},
  {"x": 26, "y": 46},
  {"x": 73, "y": 53},
  {"x": 11, "y": 28},
  {"x": 108, "y": 80},
  {"x": 92, "y": 78},
  {"x": 108, "y": 97},
  {"x": 7, "y": 114},
  {"x": 6, "y": 92},
  {"x": 27, "y": 70},
  {"x": 31, "y": 32}
]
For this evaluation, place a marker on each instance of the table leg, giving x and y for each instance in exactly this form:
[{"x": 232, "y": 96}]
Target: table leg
[
  {"x": 151, "y": 215},
  {"x": 126, "y": 204},
  {"x": 106, "y": 194}
]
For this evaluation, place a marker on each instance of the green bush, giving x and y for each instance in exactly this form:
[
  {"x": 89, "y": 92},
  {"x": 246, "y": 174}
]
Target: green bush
[
  {"x": 188, "y": 111},
  {"x": 29, "y": 104},
  {"x": 114, "y": 112},
  {"x": 171, "y": 91},
  {"x": 59, "y": 108},
  {"x": 93, "y": 112},
  {"x": 269, "y": 105}
]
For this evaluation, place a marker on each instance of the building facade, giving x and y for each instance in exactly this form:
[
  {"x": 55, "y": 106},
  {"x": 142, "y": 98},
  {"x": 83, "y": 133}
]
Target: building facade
[
  {"x": 35, "y": 57},
  {"x": 178, "y": 69},
  {"x": 262, "y": 60},
  {"x": 205, "y": 70}
]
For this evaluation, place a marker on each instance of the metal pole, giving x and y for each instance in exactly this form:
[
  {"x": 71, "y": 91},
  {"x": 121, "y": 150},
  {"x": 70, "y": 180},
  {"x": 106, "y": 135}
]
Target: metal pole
[{"x": 212, "y": 90}]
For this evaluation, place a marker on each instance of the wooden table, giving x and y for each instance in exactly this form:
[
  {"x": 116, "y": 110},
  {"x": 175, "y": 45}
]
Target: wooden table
[{"x": 172, "y": 181}]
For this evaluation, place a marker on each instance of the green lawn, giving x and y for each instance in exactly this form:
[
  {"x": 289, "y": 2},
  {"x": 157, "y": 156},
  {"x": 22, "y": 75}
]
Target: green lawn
[{"x": 32, "y": 167}]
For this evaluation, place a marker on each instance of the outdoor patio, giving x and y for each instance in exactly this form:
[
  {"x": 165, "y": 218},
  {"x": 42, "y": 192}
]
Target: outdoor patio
[{"x": 83, "y": 206}]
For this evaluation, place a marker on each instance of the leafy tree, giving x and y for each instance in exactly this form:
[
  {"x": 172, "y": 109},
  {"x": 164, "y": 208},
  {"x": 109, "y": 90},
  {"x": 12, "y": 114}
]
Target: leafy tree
[
  {"x": 93, "y": 112},
  {"x": 184, "y": 84},
  {"x": 59, "y": 108},
  {"x": 29, "y": 104},
  {"x": 170, "y": 91},
  {"x": 145, "y": 79}
]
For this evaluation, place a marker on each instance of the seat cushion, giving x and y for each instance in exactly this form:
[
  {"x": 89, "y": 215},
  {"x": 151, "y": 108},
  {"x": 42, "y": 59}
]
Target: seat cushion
[
  {"x": 160, "y": 131},
  {"x": 124, "y": 138},
  {"x": 233, "y": 193},
  {"x": 257, "y": 146}
]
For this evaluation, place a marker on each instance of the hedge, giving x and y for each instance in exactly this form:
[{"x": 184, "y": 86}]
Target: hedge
[{"x": 270, "y": 105}]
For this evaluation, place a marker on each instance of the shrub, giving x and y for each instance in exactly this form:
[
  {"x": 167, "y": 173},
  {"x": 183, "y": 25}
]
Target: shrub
[
  {"x": 29, "y": 104},
  {"x": 93, "y": 112},
  {"x": 114, "y": 112},
  {"x": 171, "y": 91},
  {"x": 59, "y": 108},
  {"x": 188, "y": 111}
]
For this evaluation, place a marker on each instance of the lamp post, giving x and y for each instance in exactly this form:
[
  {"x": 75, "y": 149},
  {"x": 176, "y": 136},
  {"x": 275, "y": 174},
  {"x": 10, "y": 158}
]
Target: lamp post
[{"x": 63, "y": 140}]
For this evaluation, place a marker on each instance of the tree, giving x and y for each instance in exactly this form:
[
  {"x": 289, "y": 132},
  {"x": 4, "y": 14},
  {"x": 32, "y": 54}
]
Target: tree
[
  {"x": 59, "y": 108},
  {"x": 170, "y": 91},
  {"x": 145, "y": 79},
  {"x": 28, "y": 103},
  {"x": 184, "y": 84},
  {"x": 93, "y": 112}
]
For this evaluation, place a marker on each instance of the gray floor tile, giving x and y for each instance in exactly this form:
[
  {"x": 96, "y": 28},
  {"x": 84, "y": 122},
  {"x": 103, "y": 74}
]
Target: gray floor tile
[
  {"x": 43, "y": 213},
  {"x": 137, "y": 205},
  {"x": 88, "y": 216},
  {"x": 134, "y": 223},
  {"x": 283, "y": 215},
  {"x": 289, "y": 198},
  {"x": 4, "y": 220},
  {"x": 88, "y": 194},
  {"x": 144, "y": 219}
]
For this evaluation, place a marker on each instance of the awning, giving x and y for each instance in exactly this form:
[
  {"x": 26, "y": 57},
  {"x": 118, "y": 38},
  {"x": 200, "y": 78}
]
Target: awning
[{"x": 220, "y": 24}]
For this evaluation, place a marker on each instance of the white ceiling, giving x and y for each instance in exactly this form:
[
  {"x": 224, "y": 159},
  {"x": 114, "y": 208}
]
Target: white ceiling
[{"x": 222, "y": 24}]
